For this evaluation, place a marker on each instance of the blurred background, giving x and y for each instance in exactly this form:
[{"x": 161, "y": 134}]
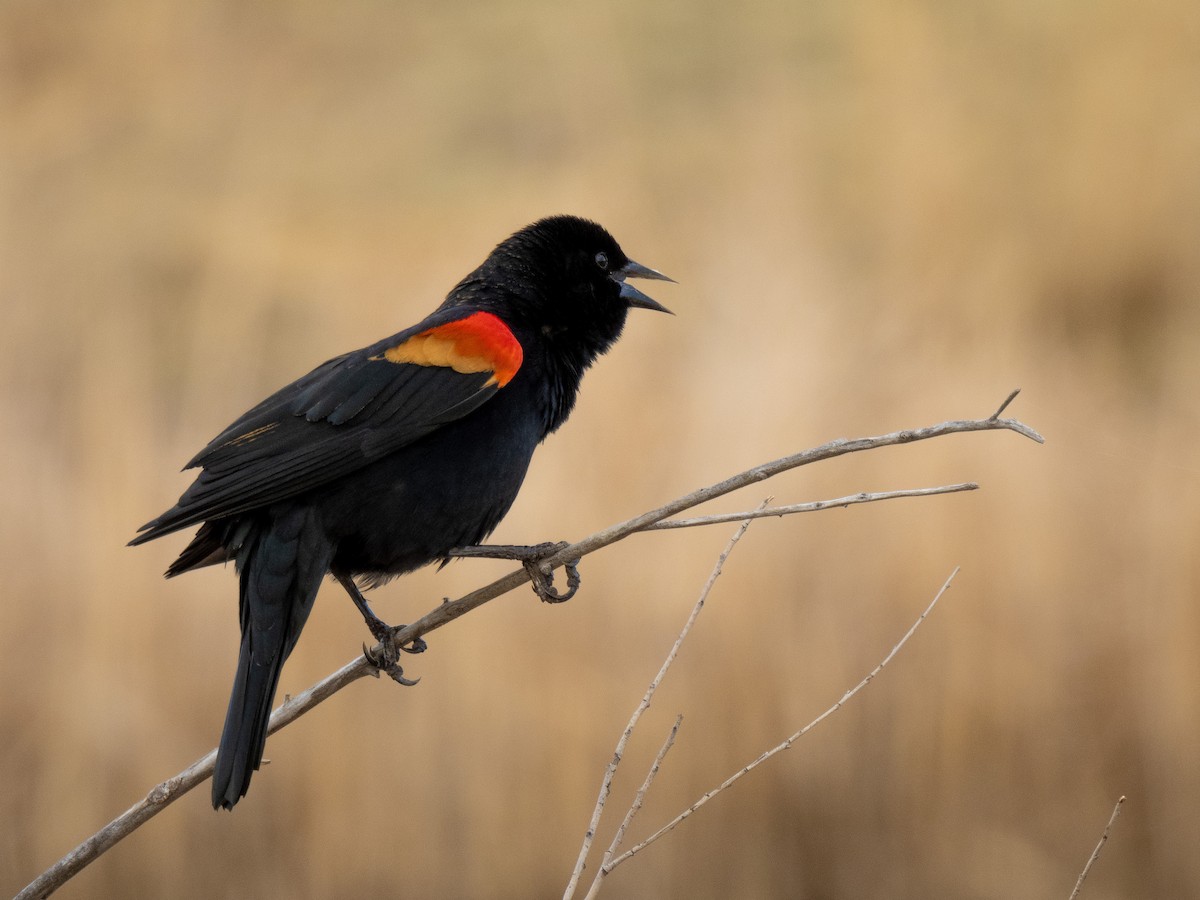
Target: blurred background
[{"x": 881, "y": 216}]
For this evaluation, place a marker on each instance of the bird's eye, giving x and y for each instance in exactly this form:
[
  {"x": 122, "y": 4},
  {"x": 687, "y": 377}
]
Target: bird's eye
[{"x": 602, "y": 260}]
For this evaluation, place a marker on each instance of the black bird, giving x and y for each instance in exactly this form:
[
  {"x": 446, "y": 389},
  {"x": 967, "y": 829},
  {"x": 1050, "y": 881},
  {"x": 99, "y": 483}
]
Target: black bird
[{"x": 388, "y": 458}]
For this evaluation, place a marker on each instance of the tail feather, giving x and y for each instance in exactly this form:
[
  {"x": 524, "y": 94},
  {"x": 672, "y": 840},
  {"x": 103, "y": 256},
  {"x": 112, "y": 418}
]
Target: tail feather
[
  {"x": 211, "y": 545},
  {"x": 281, "y": 569},
  {"x": 244, "y": 736}
]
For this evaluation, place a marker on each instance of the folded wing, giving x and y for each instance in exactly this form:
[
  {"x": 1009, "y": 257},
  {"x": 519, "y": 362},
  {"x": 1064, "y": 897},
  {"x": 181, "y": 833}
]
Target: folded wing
[{"x": 345, "y": 414}]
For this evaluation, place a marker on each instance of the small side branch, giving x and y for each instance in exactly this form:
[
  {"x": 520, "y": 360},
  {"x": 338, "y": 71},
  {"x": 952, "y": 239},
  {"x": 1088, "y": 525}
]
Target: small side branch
[
  {"x": 815, "y": 506},
  {"x": 1100, "y": 846},
  {"x": 1003, "y": 406}
]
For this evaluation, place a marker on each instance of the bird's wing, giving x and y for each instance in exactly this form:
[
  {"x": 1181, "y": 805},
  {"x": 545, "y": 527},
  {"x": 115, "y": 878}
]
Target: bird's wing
[{"x": 346, "y": 413}]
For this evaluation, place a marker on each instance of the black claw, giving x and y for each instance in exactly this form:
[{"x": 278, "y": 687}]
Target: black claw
[
  {"x": 386, "y": 657},
  {"x": 384, "y": 660},
  {"x": 397, "y": 675},
  {"x": 377, "y": 658},
  {"x": 417, "y": 646},
  {"x": 542, "y": 580}
]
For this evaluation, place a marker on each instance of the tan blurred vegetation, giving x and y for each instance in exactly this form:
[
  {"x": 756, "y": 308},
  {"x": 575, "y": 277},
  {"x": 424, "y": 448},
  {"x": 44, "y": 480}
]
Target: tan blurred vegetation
[{"x": 881, "y": 215}]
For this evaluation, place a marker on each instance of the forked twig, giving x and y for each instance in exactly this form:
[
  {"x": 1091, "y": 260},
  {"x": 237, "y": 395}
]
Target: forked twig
[
  {"x": 634, "y": 807},
  {"x": 1003, "y": 406}
]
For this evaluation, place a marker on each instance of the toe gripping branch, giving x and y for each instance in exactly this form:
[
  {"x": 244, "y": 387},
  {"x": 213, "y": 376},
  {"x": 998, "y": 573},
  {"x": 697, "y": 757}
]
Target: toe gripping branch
[
  {"x": 533, "y": 558},
  {"x": 387, "y": 657},
  {"x": 541, "y": 577}
]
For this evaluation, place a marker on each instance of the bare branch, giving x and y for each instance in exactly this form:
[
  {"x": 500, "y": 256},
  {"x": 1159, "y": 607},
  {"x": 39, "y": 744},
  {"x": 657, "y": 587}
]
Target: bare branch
[
  {"x": 1100, "y": 846},
  {"x": 634, "y": 808},
  {"x": 611, "y": 770},
  {"x": 169, "y": 790},
  {"x": 1003, "y": 406},
  {"x": 449, "y": 611},
  {"x": 166, "y": 793},
  {"x": 814, "y": 506},
  {"x": 745, "y": 770},
  {"x": 152, "y": 804}
]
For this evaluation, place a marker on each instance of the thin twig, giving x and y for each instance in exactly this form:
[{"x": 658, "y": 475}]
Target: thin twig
[
  {"x": 71, "y": 864},
  {"x": 1100, "y": 846},
  {"x": 1003, "y": 406},
  {"x": 814, "y": 506},
  {"x": 608, "y": 867},
  {"x": 634, "y": 808},
  {"x": 611, "y": 770}
]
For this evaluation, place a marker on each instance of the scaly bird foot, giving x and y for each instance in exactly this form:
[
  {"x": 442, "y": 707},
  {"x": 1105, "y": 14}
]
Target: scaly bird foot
[
  {"x": 532, "y": 557},
  {"x": 386, "y": 657}
]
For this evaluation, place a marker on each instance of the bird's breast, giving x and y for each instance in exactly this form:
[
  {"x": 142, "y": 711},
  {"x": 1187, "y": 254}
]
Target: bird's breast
[{"x": 447, "y": 490}]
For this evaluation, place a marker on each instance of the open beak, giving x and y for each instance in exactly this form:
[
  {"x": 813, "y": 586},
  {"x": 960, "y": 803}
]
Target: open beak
[{"x": 632, "y": 295}]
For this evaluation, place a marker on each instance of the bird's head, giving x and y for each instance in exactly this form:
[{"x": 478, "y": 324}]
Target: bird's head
[{"x": 566, "y": 279}]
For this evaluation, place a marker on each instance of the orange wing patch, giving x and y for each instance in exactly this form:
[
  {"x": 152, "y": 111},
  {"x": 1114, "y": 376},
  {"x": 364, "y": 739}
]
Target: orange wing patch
[{"x": 478, "y": 343}]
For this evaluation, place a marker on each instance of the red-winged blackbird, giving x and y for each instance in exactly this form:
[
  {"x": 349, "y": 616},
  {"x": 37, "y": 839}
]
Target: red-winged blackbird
[{"x": 387, "y": 458}]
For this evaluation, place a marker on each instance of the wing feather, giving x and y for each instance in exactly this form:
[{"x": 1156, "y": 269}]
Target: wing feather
[{"x": 343, "y": 415}]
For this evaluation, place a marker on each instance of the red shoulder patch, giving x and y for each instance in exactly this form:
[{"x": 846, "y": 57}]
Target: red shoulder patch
[{"x": 478, "y": 343}]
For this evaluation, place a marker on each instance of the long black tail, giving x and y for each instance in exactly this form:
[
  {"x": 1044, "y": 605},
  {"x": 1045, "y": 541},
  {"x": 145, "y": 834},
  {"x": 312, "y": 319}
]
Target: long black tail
[{"x": 281, "y": 570}]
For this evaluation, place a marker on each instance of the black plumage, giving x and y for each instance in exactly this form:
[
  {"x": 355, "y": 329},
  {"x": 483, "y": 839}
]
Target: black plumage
[{"x": 385, "y": 459}]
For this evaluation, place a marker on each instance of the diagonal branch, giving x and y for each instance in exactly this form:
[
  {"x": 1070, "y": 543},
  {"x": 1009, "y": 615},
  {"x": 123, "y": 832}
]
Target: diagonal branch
[
  {"x": 634, "y": 808},
  {"x": 1100, "y": 846},
  {"x": 173, "y": 788}
]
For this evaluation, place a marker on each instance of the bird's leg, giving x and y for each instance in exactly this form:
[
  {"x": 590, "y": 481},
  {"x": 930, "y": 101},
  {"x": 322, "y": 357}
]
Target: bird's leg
[
  {"x": 533, "y": 558},
  {"x": 387, "y": 659},
  {"x": 380, "y": 630}
]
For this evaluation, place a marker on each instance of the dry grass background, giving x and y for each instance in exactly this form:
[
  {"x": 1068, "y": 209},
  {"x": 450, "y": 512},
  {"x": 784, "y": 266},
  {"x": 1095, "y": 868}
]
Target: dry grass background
[{"x": 881, "y": 215}]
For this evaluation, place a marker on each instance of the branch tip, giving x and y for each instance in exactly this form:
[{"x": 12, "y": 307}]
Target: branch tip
[
  {"x": 1100, "y": 846},
  {"x": 1003, "y": 406}
]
